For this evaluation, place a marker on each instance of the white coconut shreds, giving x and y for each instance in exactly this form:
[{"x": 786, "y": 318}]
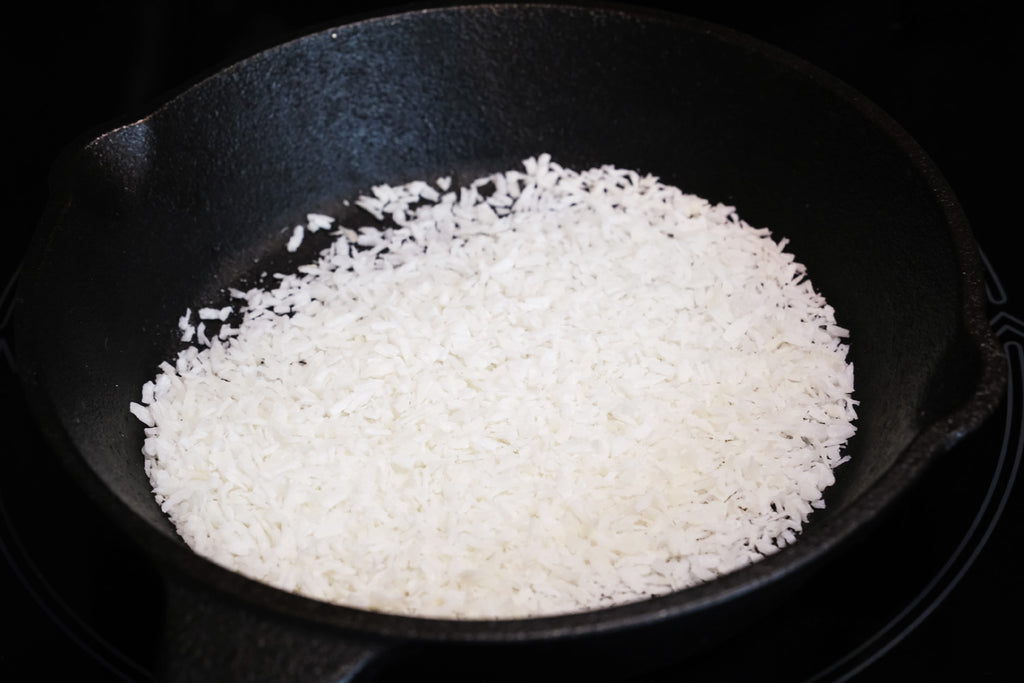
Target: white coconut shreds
[{"x": 545, "y": 392}]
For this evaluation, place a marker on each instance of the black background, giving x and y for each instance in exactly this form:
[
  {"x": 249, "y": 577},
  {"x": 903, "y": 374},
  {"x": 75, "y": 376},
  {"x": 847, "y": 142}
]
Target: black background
[{"x": 76, "y": 597}]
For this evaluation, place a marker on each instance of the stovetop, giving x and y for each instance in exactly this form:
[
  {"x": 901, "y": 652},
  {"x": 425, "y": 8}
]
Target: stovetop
[{"x": 929, "y": 595}]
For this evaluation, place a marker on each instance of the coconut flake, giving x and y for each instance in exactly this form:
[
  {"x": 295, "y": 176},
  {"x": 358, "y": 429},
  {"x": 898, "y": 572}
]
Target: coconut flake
[
  {"x": 296, "y": 239},
  {"x": 544, "y": 392}
]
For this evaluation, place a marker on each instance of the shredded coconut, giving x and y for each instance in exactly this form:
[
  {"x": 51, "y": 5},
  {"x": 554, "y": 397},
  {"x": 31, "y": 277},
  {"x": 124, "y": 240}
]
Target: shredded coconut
[
  {"x": 543, "y": 392},
  {"x": 295, "y": 241}
]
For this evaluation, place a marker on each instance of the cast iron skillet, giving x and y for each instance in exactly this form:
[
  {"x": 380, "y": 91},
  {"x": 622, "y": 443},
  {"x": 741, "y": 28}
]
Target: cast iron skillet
[{"x": 160, "y": 215}]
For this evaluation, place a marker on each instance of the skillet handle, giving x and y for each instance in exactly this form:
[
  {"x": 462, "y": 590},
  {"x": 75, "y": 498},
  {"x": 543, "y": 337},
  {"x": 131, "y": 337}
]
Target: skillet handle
[{"x": 208, "y": 637}]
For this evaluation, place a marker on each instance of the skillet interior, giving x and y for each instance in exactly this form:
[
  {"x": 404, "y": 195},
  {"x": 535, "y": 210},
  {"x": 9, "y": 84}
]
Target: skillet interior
[{"x": 163, "y": 214}]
